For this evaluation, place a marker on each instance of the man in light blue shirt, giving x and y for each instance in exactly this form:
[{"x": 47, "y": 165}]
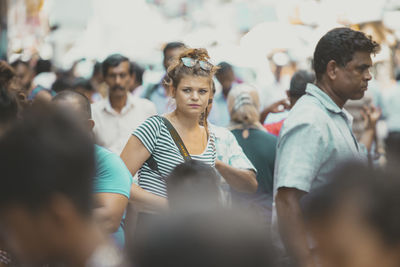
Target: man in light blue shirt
[
  {"x": 157, "y": 93},
  {"x": 219, "y": 114},
  {"x": 317, "y": 135}
]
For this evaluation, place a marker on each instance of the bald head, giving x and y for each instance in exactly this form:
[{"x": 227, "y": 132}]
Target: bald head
[{"x": 74, "y": 101}]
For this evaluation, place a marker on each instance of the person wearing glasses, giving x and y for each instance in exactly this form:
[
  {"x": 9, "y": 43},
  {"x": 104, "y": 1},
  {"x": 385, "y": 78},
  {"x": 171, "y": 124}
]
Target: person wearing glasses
[{"x": 189, "y": 79}]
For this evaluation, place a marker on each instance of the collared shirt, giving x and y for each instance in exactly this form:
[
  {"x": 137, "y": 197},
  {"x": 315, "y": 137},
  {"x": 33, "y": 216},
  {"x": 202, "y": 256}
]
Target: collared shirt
[
  {"x": 219, "y": 114},
  {"x": 315, "y": 138},
  {"x": 160, "y": 99},
  {"x": 113, "y": 129}
]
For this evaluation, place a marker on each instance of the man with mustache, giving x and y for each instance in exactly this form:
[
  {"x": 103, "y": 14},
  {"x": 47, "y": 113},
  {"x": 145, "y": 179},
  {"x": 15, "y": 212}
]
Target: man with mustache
[{"x": 119, "y": 113}]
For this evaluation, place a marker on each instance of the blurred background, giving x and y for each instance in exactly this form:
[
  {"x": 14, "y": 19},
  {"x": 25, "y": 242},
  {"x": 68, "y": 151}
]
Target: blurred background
[{"x": 245, "y": 33}]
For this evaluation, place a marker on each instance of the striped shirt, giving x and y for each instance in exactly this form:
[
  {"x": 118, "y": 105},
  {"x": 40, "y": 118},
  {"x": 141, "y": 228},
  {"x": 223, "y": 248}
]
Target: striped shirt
[{"x": 158, "y": 141}]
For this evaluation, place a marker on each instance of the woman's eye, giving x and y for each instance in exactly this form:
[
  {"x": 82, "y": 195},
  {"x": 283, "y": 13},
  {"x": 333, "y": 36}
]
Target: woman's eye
[
  {"x": 203, "y": 91},
  {"x": 186, "y": 90}
]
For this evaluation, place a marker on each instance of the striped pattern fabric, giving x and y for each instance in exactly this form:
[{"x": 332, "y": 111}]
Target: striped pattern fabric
[{"x": 156, "y": 138}]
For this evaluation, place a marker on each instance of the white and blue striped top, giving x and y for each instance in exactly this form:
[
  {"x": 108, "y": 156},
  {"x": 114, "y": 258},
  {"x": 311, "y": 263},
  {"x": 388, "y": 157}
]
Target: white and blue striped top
[{"x": 156, "y": 138}]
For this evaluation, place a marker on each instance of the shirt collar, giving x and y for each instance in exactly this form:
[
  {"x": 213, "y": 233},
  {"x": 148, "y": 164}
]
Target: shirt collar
[
  {"x": 327, "y": 102},
  {"x": 130, "y": 103}
]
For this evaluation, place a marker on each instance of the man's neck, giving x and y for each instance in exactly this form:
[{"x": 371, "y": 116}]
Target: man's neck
[
  {"x": 87, "y": 241},
  {"x": 118, "y": 102},
  {"x": 327, "y": 88}
]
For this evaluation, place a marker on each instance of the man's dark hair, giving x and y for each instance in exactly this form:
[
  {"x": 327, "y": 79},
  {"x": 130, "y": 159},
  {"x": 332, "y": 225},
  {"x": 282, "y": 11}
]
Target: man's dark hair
[
  {"x": 61, "y": 84},
  {"x": 83, "y": 83},
  {"x": 44, "y": 154},
  {"x": 339, "y": 45},
  {"x": 97, "y": 69},
  {"x": 192, "y": 183},
  {"x": 81, "y": 100},
  {"x": 299, "y": 81},
  {"x": 113, "y": 61},
  {"x": 138, "y": 71},
  {"x": 43, "y": 65},
  {"x": 224, "y": 67},
  {"x": 375, "y": 193},
  {"x": 172, "y": 45},
  {"x": 8, "y": 107},
  {"x": 17, "y": 62},
  {"x": 222, "y": 238}
]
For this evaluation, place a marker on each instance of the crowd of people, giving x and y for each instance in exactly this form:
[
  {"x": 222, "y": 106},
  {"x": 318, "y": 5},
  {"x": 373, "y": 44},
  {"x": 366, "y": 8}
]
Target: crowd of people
[{"x": 192, "y": 170}]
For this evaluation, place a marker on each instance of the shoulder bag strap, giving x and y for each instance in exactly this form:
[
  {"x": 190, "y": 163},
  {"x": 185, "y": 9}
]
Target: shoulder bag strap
[{"x": 177, "y": 139}]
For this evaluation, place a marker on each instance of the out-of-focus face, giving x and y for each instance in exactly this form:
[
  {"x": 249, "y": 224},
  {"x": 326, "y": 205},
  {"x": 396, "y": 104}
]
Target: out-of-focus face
[
  {"x": 346, "y": 240},
  {"x": 192, "y": 95},
  {"x": 118, "y": 79},
  {"x": 23, "y": 77},
  {"x": 226, "y": 80},
  {"x": 171, "y": 54},
  {"x": 351, "y": 81}
]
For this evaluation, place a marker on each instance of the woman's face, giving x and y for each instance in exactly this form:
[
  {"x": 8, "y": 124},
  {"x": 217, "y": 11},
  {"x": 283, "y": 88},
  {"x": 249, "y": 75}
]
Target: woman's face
[{"x": 192, "y": 94}]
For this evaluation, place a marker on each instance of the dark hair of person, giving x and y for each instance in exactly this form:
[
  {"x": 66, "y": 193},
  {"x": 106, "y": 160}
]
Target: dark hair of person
[
  {"x": 83, "y": 83},
  {"x": 298, "y": 83},
  {"x": 113, "y": 61},
  {"x": 172, "y": 45},
  {"x": 224, "y": 67},
  {"x": 192, "y": 183},
  {"x": 17, "y": 62},
  {"x": 6, "y": 73},
  {"x": 80, "y": 99},
  {"x": 61, "y": 84},
  {"x": 220, "y": 237},
  {"x": 43, "y": 65},
  {"x": 375, "y": 193},
  {"x": 138, "y": 71},
  {"x": 46, "y": 153},
  {"x": 177, "y": 70},
  {"x": 97, "y": 69},
  {"x": 8, "y": 107},
  {"x": 339, "y": 45}
]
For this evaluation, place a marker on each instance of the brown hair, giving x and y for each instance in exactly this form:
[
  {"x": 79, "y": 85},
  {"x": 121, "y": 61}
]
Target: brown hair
[
  {"x": 177, "y": 70},
  {"x": 6, "y": 73}
]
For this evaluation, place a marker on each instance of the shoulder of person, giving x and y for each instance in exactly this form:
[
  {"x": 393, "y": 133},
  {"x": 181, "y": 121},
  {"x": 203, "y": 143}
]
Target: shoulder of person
[{"x": 143, "y": 102}]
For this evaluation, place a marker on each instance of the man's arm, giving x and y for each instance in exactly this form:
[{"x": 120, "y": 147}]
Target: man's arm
[
  {"x": 276, "y": 107},
  {"x": 109, "y": 210},
  {"x": 291, "y": 225},
  {"x": 240, "y": 180}
]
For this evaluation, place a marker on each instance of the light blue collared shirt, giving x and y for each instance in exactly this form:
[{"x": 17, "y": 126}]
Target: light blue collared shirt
[
  {"x": 219, "y": 114},
  {"x": 315, "y": 138}
]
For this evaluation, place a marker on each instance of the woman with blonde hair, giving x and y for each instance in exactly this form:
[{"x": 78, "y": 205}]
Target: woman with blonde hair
[
  {"x": 257, "y": 144},
  {"x": 162, "y": 142}
]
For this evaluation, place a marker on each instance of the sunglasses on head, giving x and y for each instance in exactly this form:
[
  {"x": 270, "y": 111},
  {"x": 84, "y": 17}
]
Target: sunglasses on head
[{"x": 191, "y": 62}]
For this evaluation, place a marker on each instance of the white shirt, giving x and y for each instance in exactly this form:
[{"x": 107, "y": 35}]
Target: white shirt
[{"x": 113, "y": 129}]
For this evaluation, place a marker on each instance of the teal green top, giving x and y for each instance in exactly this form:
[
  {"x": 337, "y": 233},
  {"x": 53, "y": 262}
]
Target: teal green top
[
  {"x": 259, "y": 148},
  {"x": 112, "y": 176}
]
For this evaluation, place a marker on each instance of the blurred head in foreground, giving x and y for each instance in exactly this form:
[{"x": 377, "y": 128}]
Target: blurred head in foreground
[
  {"x": 47, "y": 165},
  {"x": 355, "y": 219},
  {"x": 193, "y": 185},
  {"x": 204, "y": 239}
]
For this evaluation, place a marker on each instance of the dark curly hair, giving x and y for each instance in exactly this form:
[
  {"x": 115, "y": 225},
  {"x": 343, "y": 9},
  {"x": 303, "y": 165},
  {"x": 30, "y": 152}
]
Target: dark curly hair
[{"x": 339, "y": 45}]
